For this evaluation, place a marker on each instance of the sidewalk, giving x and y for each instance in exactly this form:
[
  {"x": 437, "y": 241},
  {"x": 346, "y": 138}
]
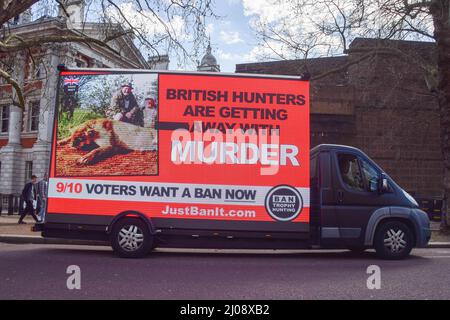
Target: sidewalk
[
  {"x": 12, "y": 232},
  {"x": 8, "y": 225}
]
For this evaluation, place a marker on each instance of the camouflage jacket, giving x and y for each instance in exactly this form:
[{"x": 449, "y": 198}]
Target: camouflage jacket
[{"x": 122, "y": 104}]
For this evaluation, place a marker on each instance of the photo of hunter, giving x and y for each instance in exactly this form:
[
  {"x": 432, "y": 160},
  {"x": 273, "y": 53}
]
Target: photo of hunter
[
  {"x": 124, "y": 106},
  {"x": 106, "y": 127}
]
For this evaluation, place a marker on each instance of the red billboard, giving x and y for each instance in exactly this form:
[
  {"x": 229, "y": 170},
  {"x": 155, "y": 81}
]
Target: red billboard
[{"x": 181, "y": 146}]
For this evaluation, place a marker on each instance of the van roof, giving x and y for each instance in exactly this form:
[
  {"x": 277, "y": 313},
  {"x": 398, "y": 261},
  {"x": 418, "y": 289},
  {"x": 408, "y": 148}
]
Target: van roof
[
  {"x": 326, "y": 147},
  {"x": 63, "y": 68}
]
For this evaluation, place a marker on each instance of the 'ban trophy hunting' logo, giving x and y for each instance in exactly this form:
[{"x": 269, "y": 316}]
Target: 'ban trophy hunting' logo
[{"x": 284, "y": 203}]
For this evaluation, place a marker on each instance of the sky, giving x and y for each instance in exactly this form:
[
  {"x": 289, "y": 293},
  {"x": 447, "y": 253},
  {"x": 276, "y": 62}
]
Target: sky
[
  {"x": 232, "y": 39},
  {"x": 233, "y": 36}
]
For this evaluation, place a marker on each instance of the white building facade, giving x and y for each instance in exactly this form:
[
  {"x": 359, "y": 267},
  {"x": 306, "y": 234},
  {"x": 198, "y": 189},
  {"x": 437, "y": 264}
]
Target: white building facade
[{"x": 25, "y": 135}]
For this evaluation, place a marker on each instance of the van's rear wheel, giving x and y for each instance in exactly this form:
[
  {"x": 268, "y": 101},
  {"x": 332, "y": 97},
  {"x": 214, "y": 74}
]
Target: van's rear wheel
[
  {"x": 393, "y": 240},
  {"x": 131, "y": 238}
]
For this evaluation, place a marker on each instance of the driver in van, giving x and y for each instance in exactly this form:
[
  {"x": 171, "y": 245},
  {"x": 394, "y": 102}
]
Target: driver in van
[
  {"x": 349, "y": 174},
  {"x": 124, "y": 106}
]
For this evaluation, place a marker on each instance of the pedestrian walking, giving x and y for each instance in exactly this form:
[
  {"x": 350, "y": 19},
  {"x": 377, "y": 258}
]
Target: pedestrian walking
[
  {"x": 42, "y": 196},
  {"x": 29, "y": 195}
]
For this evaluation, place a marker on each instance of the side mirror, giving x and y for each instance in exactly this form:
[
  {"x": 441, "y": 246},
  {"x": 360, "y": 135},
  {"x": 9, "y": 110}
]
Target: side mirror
[{"x": 383, "y": 185}]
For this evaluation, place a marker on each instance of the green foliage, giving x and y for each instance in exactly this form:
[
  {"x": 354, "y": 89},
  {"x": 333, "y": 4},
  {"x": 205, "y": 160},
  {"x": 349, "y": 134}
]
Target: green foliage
[
  {"x": 80, "y": 116},
  {"x": 93, "y": 98},
  {"x": 96, "y": 92}
]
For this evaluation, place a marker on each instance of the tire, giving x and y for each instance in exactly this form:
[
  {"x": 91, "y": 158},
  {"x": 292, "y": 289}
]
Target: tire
[
  {"x": 393, "y": 240},
  {"x": 131, "y": 238}
]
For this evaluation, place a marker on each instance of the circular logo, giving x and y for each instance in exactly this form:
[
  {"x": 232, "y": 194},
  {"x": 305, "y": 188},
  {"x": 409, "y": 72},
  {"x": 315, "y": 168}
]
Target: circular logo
[{"x": 284, "y": 203}]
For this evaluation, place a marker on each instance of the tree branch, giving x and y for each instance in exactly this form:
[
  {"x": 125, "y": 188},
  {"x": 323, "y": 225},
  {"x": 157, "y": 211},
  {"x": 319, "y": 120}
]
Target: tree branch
[
  {"x": 22, "y": 44},
  {"x": 9, "y": 79},
  {"x": 343, "y": 67},
  {"x": 11, "y": 8}
]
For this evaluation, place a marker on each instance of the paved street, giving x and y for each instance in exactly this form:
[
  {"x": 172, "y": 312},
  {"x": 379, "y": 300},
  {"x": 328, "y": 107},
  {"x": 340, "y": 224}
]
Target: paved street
[{"x": 39, "y": 271}]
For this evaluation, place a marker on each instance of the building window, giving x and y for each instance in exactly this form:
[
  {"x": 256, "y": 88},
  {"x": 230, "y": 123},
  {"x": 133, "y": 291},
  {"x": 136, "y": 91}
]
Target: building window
[
  {"x": 36, "y": 70},
  {"x": 28, "y": 170},
  {"x": 33, "y": 116},
  {"x": 4, "y": 119},
  {"x": 80, "y": 63},
  {"x": 39, "y": 71}
]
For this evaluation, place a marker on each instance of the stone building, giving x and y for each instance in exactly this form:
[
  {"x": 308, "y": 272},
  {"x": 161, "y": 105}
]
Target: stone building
[
  {"x": 209, "y": 62},
  {"x": 25, "y": 135},
  {"x": 381, "y": 105},
  {"x": 160, "y": 62}
]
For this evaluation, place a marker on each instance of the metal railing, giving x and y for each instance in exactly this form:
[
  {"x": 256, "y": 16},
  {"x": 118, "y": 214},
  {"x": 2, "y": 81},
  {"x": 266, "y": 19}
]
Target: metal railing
[
  {"x": 10, "y": 204},
  {"x": 433, "y": 206}
]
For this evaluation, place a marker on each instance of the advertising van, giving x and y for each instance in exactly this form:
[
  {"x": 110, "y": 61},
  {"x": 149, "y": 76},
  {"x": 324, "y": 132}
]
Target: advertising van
[{"x": 147, "y": 159}]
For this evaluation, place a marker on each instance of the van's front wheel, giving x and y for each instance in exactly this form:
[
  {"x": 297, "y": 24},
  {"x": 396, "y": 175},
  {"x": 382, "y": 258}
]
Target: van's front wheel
[
  {"x": 393, "y": 240},
  {"x": 131, "y": 238}
]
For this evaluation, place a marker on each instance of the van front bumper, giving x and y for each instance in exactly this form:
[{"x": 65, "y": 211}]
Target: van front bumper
[
  {"x": 424, "y": 230},
  {"x": 426, "y": 238}
]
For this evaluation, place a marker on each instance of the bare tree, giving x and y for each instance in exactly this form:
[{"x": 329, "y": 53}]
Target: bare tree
[
  {"x": 155, "y": 25},
  {"x": 312, "y": 28}
]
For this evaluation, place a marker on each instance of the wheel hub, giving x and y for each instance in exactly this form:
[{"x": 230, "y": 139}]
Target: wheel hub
[
  {"x": 395, "y": 240},
  {"x": 130, "y": 238}
]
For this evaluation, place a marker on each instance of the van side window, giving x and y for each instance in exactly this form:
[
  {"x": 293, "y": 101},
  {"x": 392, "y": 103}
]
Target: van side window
[
  {"x": 370, "y": 175},
  {"x": 350, "y": 171}
]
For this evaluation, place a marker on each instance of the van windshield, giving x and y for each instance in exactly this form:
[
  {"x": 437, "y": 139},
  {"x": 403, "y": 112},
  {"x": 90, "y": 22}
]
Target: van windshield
[{"x": 370, "y": 176}]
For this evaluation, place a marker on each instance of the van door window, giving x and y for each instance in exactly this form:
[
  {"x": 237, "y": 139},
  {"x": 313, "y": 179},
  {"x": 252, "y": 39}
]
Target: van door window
[
  {"x": 370, "y": 176},
  {"x": 350, "y": 171}
]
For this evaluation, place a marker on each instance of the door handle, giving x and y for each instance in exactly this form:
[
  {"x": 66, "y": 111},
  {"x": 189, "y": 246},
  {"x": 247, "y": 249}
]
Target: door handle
[{"x": 340, "y": 196}]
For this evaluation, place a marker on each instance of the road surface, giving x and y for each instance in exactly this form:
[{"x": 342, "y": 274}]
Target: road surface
[{"x": 39, "y": 271}]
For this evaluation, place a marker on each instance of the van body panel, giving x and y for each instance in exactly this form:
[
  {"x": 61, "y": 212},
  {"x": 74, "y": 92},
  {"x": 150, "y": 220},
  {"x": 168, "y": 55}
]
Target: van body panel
[
  {"x": 234, "y": 186},
  {"x": 332, "y": 212},
  {"x": 377, "y": 216},
  {"x": 350, "y": 217},
  {"x": 418, "y": 219},
  {"x": 324, "y": 211}
]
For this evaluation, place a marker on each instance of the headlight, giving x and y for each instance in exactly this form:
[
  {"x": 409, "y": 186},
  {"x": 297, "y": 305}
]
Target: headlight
[{"x": 410, "y": 198}]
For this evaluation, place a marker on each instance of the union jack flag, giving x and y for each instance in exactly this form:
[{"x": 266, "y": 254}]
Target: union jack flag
[{"x": 71, "y": 81}]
